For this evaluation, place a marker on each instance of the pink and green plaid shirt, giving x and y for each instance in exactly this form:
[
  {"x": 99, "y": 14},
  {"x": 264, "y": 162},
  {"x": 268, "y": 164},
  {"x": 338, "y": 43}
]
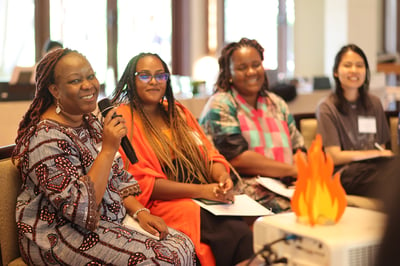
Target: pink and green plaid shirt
[{"x": 269, "y": 129}]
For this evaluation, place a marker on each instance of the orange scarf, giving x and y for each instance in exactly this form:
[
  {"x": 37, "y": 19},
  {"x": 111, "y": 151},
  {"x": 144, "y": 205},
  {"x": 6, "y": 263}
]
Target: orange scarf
[{"x": 180, "y": 214}]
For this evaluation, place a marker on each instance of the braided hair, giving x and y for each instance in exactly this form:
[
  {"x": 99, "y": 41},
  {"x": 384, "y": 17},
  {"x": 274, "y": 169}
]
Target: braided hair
[
  {"x": 190, "y": 161},
  {"x": 41, "y": 102},
  {"x": 224, "y": 82}
]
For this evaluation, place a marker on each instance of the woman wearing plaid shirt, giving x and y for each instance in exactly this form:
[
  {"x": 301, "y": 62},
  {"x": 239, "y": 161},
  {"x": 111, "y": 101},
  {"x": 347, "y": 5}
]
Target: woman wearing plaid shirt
[{"x": 251, "y": 126}]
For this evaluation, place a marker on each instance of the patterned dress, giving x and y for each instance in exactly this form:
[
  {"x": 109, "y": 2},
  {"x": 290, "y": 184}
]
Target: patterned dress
[
  {"x": 270, "y": 130},
  {"x": 57, "y": 219}
]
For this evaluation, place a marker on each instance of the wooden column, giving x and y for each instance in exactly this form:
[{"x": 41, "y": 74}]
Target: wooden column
[
  {"x": 42, "y": 26},
  {"x": 112, "y": 36},
  {"x": 181, "y": 37}
]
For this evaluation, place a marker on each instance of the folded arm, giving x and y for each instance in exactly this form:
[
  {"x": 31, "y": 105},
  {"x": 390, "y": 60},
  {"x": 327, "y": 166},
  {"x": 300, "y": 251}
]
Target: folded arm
[
  {"x": 251, "y": 163},
  {"x": 340, "y": 156}
]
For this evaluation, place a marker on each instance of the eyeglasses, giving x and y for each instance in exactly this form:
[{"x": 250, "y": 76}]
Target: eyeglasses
[{"x": 147, "y": 77}]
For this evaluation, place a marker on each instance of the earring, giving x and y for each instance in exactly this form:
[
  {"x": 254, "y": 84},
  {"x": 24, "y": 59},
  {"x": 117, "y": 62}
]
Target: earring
[{"x": 58, "y": 108}]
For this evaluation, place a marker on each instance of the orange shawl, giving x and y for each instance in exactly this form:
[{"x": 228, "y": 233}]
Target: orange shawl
[{"x": 180, "y": 214}]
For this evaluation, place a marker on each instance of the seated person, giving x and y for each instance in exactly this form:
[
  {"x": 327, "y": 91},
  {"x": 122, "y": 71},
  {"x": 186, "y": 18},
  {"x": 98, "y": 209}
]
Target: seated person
[
  {"x": 353, "y": 125},
  {"x": 251, "y": 126},
  {"x": 389, "y": 193},
  {"x": 177, "y": 163},
  {"x": 50, "y": 46},
  {"x": 75, "y": 192}
]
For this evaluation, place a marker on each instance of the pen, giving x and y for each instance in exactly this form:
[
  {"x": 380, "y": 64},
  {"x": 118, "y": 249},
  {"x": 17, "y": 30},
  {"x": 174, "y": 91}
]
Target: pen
[{"x": 379, "y": 147}]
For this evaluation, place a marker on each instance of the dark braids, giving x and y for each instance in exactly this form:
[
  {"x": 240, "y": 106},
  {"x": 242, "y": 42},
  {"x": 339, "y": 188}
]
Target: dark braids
[
  {"x": 224, "y": 77},
  {"x": 41, "y": 102},
  {"x": 188, "y": 157}
]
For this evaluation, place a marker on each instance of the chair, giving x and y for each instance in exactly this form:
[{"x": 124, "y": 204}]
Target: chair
[
  {"x": 306, "y": 123},
  {"x": 393, "y": 120},
  {"x": 9, "y": 186}
]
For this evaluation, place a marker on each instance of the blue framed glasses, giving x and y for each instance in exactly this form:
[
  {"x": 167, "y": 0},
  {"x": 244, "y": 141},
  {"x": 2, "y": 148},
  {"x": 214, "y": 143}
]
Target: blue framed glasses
[{"x": 147, "y": 77}]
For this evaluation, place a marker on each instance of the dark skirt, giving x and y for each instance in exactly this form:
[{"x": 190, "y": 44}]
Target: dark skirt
[
  {"x": 229, "y": 237},
  {"x": 365, "y": 178}
]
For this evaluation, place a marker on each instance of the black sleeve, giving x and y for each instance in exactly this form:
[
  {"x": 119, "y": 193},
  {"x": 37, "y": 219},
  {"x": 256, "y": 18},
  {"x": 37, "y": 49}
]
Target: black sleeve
[
  {"x": 231, "y": 146},
  {"x": 303, "y": 149}
]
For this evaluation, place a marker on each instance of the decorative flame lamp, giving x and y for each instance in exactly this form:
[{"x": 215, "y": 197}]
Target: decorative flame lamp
[{"x": 318, "y": 198}]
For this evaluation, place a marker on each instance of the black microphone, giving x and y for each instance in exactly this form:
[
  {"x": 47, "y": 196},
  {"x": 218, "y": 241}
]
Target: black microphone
[{"x": 105, "y": 106}]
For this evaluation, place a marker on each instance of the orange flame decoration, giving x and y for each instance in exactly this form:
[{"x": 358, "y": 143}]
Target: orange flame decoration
[{"x": 318, "y": 198}]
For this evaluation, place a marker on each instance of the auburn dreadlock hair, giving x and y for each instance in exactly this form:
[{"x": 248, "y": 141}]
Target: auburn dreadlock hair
[
  {"x": 191, "y": 162},
  {"x": 41, "y": 102},
  {"x": 224, "y": 82}
]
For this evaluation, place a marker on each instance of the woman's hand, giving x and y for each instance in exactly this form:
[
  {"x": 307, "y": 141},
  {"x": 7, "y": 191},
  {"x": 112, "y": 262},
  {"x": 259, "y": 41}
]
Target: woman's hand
[
  {"x": 114, "y": 129},
  {"x": 153, "y": 224},
  {"x": 225, "y": 183},
  {"x": 216, "y": 192},
  {"x": 386, "y": 153}
]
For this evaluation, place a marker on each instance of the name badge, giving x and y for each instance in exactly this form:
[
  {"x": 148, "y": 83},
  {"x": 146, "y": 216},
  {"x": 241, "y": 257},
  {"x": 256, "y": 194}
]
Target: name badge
[{"x": 366, "y": 124}]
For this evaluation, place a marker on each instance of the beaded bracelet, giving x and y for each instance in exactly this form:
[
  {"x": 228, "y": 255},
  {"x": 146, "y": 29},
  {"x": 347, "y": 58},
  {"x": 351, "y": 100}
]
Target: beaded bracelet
[{"x": 140, "y": 210}]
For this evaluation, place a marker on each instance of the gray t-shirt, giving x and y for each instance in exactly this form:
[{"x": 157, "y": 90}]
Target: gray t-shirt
[{"x": 342, "y": 130}]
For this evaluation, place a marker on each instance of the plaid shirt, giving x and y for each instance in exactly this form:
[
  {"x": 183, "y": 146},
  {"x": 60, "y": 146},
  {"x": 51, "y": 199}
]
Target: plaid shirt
[{"x": 269, "y": 129}]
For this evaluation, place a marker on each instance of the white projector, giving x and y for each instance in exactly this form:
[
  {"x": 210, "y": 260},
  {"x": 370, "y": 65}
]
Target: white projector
[{"x": 354, "y": 240}]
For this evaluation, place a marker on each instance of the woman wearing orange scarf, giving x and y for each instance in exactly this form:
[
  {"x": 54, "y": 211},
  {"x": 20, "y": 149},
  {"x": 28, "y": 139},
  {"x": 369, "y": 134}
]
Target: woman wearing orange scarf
[{"x": 177, "y": 163}]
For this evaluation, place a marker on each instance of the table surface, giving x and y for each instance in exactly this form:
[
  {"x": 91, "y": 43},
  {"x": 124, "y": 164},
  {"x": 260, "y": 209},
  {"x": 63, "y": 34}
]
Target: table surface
[{"x": 389, "y": 68}]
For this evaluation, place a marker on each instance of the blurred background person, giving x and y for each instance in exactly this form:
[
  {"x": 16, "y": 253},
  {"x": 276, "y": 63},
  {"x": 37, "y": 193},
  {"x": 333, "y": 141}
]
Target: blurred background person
[
  {"x": 389, "y": 193},
  {"x": 51, "y": 45},
  {"x": 47, "y": 47}
]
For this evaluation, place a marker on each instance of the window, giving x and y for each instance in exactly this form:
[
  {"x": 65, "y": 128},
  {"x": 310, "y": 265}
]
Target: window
[
  {"x": 17, "y": 34},
  {"x": 290, "y": 38},
  {"x": 83, "y": 29},
  {"x": 259, "y": 19},
  {"x": 144, "y": 26}
]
